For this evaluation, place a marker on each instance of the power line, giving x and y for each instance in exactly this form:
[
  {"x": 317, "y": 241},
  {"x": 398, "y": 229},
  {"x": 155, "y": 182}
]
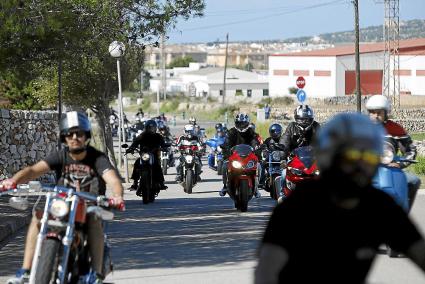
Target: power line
[{"x": 266, "y": 17}]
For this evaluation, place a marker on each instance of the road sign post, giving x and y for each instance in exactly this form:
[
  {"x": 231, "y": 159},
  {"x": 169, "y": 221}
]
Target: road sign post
[{"x": 300, "y": 82}]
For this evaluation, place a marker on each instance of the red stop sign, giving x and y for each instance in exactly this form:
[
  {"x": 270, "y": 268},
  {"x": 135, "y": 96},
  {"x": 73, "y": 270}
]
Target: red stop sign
[{"x": 300, "y": 82}]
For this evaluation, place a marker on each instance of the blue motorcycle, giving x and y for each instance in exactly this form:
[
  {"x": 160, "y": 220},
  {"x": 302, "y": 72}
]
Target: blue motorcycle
[
  {"x": 215, "y": 158},
  {"x": 272, "y": 159},
  {"x": 392, "y": 180}
]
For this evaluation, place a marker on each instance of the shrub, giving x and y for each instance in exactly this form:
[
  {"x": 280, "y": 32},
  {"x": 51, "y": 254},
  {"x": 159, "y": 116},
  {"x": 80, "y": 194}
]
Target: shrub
[
  {"x": 419, "y": 168},
  {"x": 284, "y": 100}
]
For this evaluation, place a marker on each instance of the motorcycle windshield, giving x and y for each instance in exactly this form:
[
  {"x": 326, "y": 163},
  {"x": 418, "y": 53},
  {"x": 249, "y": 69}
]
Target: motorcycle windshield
[
  {"x": 305, "y": 154},
  {"x": 243, "y": 150}
]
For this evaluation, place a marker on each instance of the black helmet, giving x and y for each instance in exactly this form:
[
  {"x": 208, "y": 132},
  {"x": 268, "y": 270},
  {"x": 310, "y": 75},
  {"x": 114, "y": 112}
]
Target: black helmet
[
  {"x": 304, "y": 117},
  {"x": 151, "y": 126},
  {"x": 218, "y": 127},
  {"x": 74, "y": 120},
  {"x": 242, "y": 122},
  {"x": 275, "y": 130}
]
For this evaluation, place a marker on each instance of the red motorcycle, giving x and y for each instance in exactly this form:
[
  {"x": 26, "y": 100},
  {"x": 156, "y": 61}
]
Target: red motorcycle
[
  {"x": 301, "y": 166},
  {"x": 242, "y": 175}
]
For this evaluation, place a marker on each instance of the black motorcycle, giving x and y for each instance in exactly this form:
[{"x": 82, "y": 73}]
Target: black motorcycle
[
  {"x": 147, "y": 188},
  {"x": 271, "y": 161}
]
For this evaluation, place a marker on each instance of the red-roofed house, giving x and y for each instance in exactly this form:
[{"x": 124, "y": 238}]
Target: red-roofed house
[{"x": 331, "y": 72}]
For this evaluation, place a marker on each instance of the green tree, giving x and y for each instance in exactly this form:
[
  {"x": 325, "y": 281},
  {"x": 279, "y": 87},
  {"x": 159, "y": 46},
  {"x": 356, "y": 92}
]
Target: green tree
[
  {"x": 181, "y": 62},
  {"x": 36, "y": 35}
]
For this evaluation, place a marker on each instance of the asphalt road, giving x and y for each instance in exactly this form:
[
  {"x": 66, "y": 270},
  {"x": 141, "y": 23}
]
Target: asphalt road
[{"x": 199, "y": 238}]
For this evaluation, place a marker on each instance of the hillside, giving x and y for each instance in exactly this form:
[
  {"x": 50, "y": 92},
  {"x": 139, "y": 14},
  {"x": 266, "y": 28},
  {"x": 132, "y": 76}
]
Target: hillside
[{"x": 408, "y": 29}]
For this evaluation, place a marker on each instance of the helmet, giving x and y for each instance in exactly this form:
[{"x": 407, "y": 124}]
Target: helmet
[
  {"x": 304, "y": 117},
  {"x": 242, "y": 122},
  {"x": 151, "y": 126},
  {"x": 345, "y": 141},
  {"x": 378, "y": 102},
  {"x": 275, "y": 130},
  {"x": 219, "y": 127},
  {"x": 160, "y": 124},
  {"x": 189, "y": 130},
  {"x": 192, "y": 120},
  {"x": 74, "y": 120}
]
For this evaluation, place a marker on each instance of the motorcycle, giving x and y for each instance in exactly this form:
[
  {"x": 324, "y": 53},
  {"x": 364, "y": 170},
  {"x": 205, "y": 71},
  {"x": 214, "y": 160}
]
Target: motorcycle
[
  {"x": 300, "y": 166},
  {"x": 189, "y": 153},
  {"x": 165, "y": 158},
  {"x": 61, "y": 252},
  {"x": 147, "y": 188},
  {"x": 392, "y": 180},
  {"x": 215, "y": 159},
  {"x": 272, "y": 162},
  {"x": 113, "y": 122},
  {"x": 242, "y": 175},
  {"x": 134, "y": 130}
]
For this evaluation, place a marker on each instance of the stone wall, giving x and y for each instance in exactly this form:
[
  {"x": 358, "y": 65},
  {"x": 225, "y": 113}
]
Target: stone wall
[{"x": 25, "y": 138}]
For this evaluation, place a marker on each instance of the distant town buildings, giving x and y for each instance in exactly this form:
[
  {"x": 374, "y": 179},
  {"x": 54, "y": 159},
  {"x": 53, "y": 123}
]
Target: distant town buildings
[{"x": 331, "y": 72}]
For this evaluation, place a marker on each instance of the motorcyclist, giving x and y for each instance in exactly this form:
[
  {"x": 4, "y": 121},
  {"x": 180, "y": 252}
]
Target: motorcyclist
[
  {"x": 153, "y": 142},
  {"x": 80, "y": 159},
  {"x": 349, "y": 217},
  {"x": 301, "y": 132},
  {"x": 242, "y": 133},
  {"x": 379, "y": 108},
  {"x": 187, "y": 138},
  {"x": 218, "y": 135},
  {"x": 272, "y": 143},
  {"x": 164, "y": 130},
  {"x": 192, "y": 120},
  {"x": 140, "y": 114}
]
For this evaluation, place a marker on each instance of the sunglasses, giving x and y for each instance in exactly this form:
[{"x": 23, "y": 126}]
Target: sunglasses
[
  {"x": 368, "y": 157},
  {"x": 79, "y": 134}
]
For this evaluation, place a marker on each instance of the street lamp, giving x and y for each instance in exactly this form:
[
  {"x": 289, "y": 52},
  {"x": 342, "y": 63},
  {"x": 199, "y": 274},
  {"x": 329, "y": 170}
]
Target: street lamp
[{"x": 117, "y": 49}]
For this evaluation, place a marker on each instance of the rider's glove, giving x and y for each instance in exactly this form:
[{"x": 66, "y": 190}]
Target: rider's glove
[
  {"x": 7, "y": 184},
  {"x": 129, "y": 151}
]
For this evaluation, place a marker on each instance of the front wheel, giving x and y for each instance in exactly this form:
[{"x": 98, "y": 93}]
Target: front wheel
[
  {"x": 220, "y": 168},
  {"x": 46, "y": 269},
  {"x": 243, "y": 195},
  {"x": 274, "y": 190},
  {"x": 189, "y": 181},
  {"x": 164, "y": 166},
  {"x": 146, "y": 186}
]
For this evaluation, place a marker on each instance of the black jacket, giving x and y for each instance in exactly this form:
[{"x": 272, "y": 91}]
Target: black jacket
[
  {"x": 294, "y": 137},
  {"x": 152, "y": 141},
  {"x": 234, "y": 137}
]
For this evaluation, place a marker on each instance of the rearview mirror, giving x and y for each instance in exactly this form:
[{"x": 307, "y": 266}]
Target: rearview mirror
[
  {"x": 19, "y": 203},
  {"x": 124, "y": 146}
]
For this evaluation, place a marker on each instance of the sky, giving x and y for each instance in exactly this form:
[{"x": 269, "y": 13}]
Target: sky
[{"x": 282, "y": 19}]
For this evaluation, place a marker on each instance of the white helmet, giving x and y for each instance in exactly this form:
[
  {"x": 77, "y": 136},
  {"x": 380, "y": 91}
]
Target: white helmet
[
  {"x": 189, "y": 130},
  {"x": 377, "y": 102}
]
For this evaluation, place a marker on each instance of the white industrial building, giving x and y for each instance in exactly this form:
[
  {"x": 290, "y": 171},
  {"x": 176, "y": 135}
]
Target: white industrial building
[
  {"x": 331, "y": 72},
  {"x": 208, "y": 82}
]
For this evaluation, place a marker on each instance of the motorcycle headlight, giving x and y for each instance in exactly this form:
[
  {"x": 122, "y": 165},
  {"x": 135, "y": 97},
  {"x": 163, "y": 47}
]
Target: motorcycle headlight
[
  {"x": 145, "y": 156},
  {"x": 59, "y": 208},
  {"x": 388, "y": 154},
  {"x": 276, "y": 156},
  {"x": 317, "y": 172},
  {"x": 236, "y": 164},
  {"x": 250, "y": 165},
  {"x": 189, "y": 159}
]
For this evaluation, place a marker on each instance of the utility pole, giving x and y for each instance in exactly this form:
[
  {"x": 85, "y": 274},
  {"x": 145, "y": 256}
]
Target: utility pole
[
  {"x": 164, "y": 73},
  {"x": 358, "y": 90},
  {"x": 225, "y": 68},
  {"x": 59, "y": 97}
]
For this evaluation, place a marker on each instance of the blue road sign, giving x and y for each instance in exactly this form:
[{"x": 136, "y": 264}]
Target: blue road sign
[{"x": 301, "y": 95}]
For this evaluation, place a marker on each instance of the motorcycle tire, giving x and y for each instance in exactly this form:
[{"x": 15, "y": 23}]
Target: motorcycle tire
[
  {"x": 46, "y": 270},
  {"x": 146, "y": 186},
  {"x": 274, "y": 190},
  {"x": 189, "y": 182},
  {"x": 164, "y": 166},
  {"x": 243, "y": 195},
  {"x": 220, "y": 168}
]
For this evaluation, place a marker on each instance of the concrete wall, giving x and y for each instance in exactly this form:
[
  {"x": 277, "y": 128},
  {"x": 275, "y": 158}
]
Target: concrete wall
[
  {"x": 25, "y": 138},
  {"x": 415, "y": 82}
]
